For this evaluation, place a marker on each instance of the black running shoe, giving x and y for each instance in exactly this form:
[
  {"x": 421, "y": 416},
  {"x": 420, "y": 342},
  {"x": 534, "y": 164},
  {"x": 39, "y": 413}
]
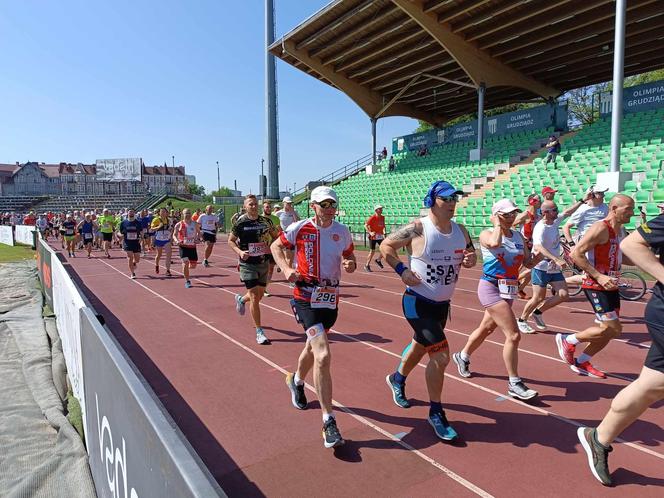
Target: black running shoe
[
  {"x": 398, "y": 392},
  {"x": 379, "y": 263},
  {"x": 598, "y": 455},
  {"x": 331, "y": 435},
  {"x": 298, "y": 397}
]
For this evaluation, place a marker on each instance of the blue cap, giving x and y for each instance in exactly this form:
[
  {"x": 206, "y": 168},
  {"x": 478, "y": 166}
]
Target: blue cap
[{"x": 444, "y": 189}]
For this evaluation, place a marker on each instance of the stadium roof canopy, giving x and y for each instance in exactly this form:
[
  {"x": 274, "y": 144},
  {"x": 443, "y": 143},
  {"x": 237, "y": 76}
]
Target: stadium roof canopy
[{"x": 426, "y": 59}]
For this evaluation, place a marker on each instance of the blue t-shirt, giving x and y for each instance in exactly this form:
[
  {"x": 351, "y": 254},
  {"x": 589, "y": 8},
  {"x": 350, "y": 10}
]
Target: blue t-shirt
[
  {"x": 146, "y": 221},
  {"x": 130, "y": 229}
]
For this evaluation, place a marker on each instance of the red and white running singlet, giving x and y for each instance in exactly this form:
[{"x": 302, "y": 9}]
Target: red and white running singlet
[
  {"x": 529, "y": 226},
  {"x": 187, "y": 234},
  {"x": 606, "y": 258},
  {"x": 318, "y": 252}
]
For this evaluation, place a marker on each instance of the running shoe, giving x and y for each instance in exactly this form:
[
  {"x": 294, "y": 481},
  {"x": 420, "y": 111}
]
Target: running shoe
[
  {"x": 205, "y": 263},
  {"x": 156, "y": 269},
  {"x": 539, "y": 321},
  {"x": 73, "y": 255},
  {"x": 565, "y": 349},
  {"x": 298, "y": 398},
  {"x": 239, "y": 304},
  {"x": 108, "y": 256},
  {"x": 462, "y": 366},
  {"x": 367, "y": 268},
  {"x": 521, "y": 391},
  {"x": 89, "y": 257},
  {"x": 261, "y": 338},
  {"x": 133, "y": 276},
  {"x": 331, "y": 435},
  {"x": 187, "y": 284},
  {"x": 398, "y": 392},
  {"x": 442, "y": 427},
  {"x": 168, "y": 273},
  {"x": 267, "y": 294},
  {"x": 586, "y": 368},
  {"x": 524, "y": 328},
  {"x": 379, "y": 263},
  {"x": 598, "y": 454}
]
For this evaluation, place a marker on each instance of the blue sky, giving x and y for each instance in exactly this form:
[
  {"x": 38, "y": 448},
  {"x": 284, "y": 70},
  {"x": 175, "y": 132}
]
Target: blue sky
[{"x": 89, "y": 80}]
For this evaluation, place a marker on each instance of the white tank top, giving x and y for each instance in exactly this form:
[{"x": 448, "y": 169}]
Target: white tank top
[{"x": 440, "y": 262}]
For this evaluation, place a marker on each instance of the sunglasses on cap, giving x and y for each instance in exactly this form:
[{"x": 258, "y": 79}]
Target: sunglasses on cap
[
  {"x": 448, "y": 198},
  {"x": 327, "y": 204}
]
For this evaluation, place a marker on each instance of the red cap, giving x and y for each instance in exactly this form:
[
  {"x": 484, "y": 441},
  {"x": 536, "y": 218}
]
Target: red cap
[{"x": 548, "y": 190}]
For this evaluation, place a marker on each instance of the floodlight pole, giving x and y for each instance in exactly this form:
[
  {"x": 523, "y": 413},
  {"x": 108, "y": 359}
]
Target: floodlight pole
[
  {"x": 373, "y": 141},
  {"x": 480, "y": 116},
  {"x": 271, "y": 105},
  {"x": 218, "y": 179},
  {"x": 618, "y": 77}
]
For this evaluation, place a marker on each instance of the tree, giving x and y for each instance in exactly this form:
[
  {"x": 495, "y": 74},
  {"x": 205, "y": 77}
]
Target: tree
[
  {"x": 222, "y": 192},
  {"x": 192, "y": 188}
]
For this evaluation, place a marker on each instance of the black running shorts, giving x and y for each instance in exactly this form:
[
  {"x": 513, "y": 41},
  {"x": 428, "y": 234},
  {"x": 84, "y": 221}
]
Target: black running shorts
[
  {"x": 308, "y": 316},
  {"x": 653, "y": 317},
  {"x": 209, "y": 237},
  {"x": 132, "y": 246},
  {"x": 374, "y": 243},
  {"x": 188, "y": 253},
  {"x": 107, "y": 236},
  {"x": 606, "y": 304},
  {"x": 427, "y": 318}
]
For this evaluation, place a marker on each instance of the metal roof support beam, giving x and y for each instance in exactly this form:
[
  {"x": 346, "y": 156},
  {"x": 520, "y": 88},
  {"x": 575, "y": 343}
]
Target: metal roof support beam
[
  {"x": 369, "y": 101},
  {"x": 396, "y": 97},
  {"x": 479, "y": 65}
]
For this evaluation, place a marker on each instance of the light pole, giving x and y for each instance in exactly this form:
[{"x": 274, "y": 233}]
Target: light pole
[
  {"x": 173, "y": 158},
  {"x": 263, "y": 189},
  {"x": 218, "y": 180}
]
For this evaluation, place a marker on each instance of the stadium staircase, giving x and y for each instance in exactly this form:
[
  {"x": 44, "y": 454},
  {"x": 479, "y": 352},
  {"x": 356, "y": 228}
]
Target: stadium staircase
[{"x": 584, "y": 155}]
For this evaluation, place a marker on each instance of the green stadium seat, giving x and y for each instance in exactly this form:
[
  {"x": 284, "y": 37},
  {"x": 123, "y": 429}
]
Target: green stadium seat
[
  {"x": 642, "y": 196},
  {"x": 658, "y": 195},
  {"x": 630, "y": 186}
]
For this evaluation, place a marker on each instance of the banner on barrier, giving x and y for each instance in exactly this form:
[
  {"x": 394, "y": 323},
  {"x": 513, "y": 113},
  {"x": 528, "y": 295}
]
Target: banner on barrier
[
  {"x": 44, "y": 256},
  {"x": 67, "y": 303},
  {"x": 6, "y": 235},
  {"x": 134, "y": 450},
  {"x": 25, "y": 234}
]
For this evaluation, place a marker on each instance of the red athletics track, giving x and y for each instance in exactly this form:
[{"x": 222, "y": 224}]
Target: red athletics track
[{"x": 227, "y": 394}]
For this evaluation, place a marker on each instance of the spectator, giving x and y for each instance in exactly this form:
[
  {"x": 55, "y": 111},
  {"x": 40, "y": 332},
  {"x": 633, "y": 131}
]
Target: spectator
[
  {"x": 424, "y": 150},
  {"x": 392, "y": 164},
  {"x": 552, "y": 150},
  {"x": 384, "y": 153},
  {"x": 548, "y": 193}
]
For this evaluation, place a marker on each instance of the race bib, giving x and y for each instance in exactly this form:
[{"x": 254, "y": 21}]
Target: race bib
[
  {"x": 209, "y": 225},
  {"x": 131, "y": 236},
  {"x": 69, "y": 231},
  {"x": 87, "y": 236},
  {"x": 163, "y": 235},
  {"x": 106, "y": 225},
  {"x": 189, "y": 241},
  {"x": 257, "y": 248},
  {"x": 508, "y": 288},
  {"x": 379, "y": 236},
  {"x": 325, "y": 297}
]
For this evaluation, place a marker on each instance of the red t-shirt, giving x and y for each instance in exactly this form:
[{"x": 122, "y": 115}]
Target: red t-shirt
[
  {"x": 29, "y": 220},
  {"x": 376, "y": 224}
]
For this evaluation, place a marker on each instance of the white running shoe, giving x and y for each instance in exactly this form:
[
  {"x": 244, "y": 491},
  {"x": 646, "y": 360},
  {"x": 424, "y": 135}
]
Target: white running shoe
[
  {"x": 524, "y": 328},
  {"x": 539, "y": 321},
  {"x": 239, "y": 304},
  {"x": 261, "y": 338}
]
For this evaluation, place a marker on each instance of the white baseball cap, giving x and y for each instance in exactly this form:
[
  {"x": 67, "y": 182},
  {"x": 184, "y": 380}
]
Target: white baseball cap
[
  {"x": 320, "y": 194},
  {"x": 504, "y": 206},
  {"x": 377, "y": 207},
  {"x": 288, "y": 199}
]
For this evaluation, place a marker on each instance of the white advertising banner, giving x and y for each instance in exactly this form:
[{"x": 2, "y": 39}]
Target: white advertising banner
[
  {"x": 6, "y": 235},
  {"x": 24, "y": 234},
  {"x": 67, "y": 303},
  {"x": 118, "y": 170}
]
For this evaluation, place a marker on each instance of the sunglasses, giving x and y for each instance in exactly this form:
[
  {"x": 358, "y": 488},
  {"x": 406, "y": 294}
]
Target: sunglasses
[
  {"x": 511, "y": 214},
  {"x": 448, "y": 198},
  {"x": 327, "y": 204}
]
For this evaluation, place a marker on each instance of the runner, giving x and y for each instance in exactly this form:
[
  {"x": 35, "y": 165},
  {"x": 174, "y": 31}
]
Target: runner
[
  {"x": 546, "y": 241},
  {"x": 633, "y": 400},
  {"x": 196, "y": 214},
  {"x": 130, "y": 230},
  {"x": 598, "y": 255},
  {"x": 322, "y": 246},
  {"x": 504, "y": 251},
  {"x": 527, "y": 221},
  {"x": 146, "y": 222},
  {"x": 594, "y": 210},
  {"x": 107, "y": 227},
  {"x": 267, "y": 212},
  {"x": 250, "y": 239},
  {"x": 42, "y": 226},
  {"x": 440, "y": 248},
  {"x": 375, "y": 225},
  {"x": 62, "y": 230},
  {"x": 287, "y": 215},
  {"x": 209, "y": 225},
  {"x": 68, "y": 230},
  {"x": 163, "y": 228},
  {"x": 86, "y": 228},
  {"x": 185, "y": 234}
]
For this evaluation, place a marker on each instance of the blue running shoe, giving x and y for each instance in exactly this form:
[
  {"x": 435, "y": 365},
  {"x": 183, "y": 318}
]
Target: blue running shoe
[
  {"x": 442, "y": 427},
  {"x": 187, "y": 284},
  {"x": 398, "y": 392},
  {"x": 239, "y": 304}
]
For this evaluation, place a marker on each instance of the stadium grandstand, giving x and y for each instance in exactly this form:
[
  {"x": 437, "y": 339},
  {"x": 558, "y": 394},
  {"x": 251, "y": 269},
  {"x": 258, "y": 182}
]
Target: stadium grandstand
[{"x": 437, "y": 60}]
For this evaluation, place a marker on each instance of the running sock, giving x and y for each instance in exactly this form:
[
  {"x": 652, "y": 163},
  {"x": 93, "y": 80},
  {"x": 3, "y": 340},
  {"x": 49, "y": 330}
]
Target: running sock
[
  {"x": 537, "y": 312},
  {"x": 583, "y": 357},
  {"x": 521, "y": 320},
  {"x": 435, "y": 407},
  {"x": 464, "y": 356},
  {"x": 571, "y": 339},
  {"x": 401, "y": 379},
  {"x": 514, "y": 380},
  {"x": 297, "y": 380},
  {"x": 327, "y": 416}
]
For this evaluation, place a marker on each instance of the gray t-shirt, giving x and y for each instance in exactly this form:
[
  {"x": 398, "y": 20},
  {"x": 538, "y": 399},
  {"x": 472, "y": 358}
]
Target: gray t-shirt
[
  {"x": 586, "y": 216},
  {"x": 287, "y": 218}
]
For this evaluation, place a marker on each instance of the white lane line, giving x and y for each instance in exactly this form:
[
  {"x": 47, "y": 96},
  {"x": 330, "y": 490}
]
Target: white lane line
[
  {"x": 450, "y": 376},
  {"x": 452, "y": 475}
]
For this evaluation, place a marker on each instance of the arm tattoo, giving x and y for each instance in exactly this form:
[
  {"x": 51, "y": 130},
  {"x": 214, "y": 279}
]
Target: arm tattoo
[{"x": 406, "y": 232}]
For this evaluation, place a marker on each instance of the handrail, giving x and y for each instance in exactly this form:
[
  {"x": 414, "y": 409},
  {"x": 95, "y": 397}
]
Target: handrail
[{"x": 343, "y": 172}]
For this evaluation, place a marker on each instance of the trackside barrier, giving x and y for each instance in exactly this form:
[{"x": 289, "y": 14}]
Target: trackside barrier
[
  {"x": 25, "y": 234},
  {"x": 6, "y": 235},
  {"x": 134, "y": 448}
]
